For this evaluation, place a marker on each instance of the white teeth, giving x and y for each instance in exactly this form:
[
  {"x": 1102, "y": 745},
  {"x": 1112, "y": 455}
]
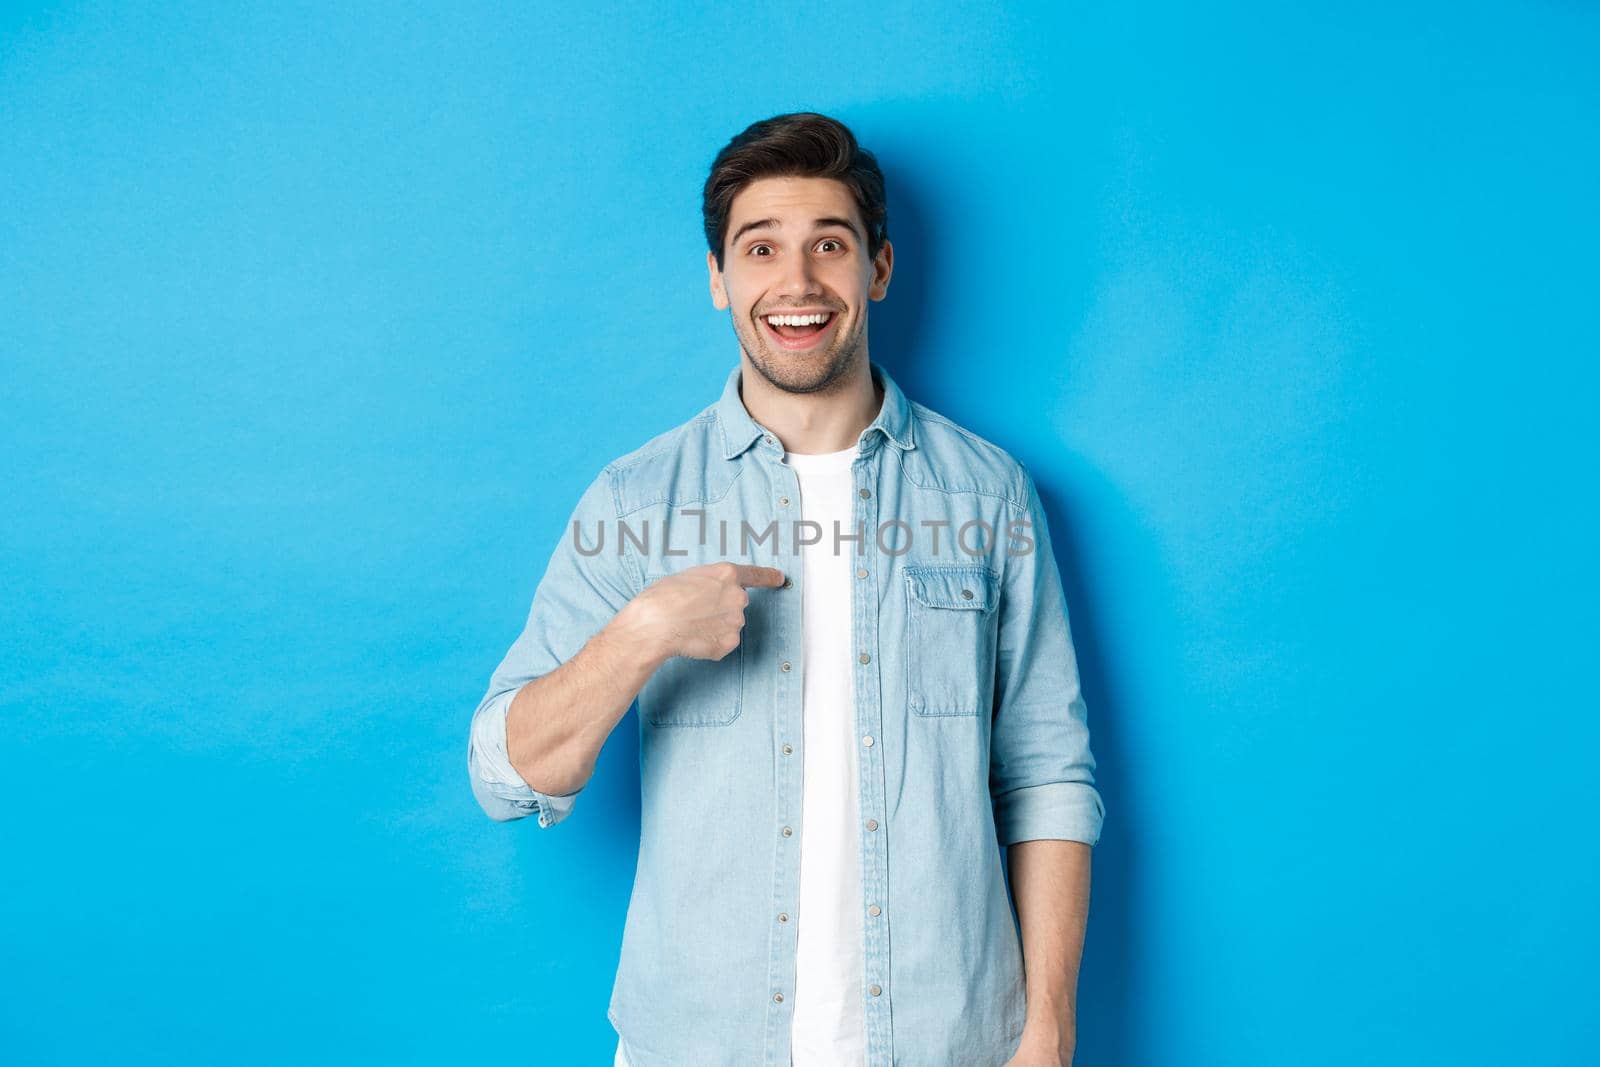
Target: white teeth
[{"x": 799, "y": 320}]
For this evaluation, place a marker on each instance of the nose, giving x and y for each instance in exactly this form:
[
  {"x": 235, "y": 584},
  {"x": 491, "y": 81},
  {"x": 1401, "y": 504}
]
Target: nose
[{"x": 799, "y": 278}]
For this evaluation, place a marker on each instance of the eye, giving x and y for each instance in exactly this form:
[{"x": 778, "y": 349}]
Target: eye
[
  {"x": 830, "y": 241},
  {"x": 755, "y": 248}
]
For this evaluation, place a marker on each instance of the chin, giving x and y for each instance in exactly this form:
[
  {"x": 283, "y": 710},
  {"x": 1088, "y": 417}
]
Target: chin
[{"x": 802, "y": 372}]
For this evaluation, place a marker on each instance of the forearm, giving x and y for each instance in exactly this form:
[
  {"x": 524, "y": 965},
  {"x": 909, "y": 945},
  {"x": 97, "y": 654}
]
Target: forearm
[
  {"x": 557, "y": 723},
  {"x": 1050, "y": 884}
]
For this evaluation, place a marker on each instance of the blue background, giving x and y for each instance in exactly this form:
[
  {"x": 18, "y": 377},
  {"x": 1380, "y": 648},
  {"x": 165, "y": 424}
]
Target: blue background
[{"x": 315, "y": 324}]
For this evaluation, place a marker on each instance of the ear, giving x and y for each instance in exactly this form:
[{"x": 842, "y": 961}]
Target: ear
[
  {"x": 719, "y": 295},
  {"x": 882, "y": 267}
]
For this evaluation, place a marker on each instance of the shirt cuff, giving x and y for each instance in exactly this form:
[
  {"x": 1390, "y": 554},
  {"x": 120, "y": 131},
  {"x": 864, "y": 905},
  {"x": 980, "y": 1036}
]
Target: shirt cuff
[
  {"x": 1062, "y": 811},
  {"x": 501, "y": 791}
]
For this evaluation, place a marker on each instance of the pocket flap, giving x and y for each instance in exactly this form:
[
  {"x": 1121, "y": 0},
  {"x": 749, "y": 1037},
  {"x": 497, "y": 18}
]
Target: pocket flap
[{"x": 954, "y": 585}]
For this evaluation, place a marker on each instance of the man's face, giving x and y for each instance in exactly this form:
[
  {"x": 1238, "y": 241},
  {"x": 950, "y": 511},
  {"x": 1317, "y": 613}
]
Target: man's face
[{"x": 797, "y": 247}]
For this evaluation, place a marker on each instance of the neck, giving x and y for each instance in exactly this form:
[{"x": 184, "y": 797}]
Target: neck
[{"x": 814, "y": 423}]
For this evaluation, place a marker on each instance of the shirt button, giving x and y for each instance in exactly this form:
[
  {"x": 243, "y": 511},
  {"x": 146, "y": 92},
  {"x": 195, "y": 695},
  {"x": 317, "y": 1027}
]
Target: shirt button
[
  {"x": 867, "y": 740},
  {"x": 787, "y": 581},
  {"x": 966, "y": 594},
  {"x": 872, "y": 824},
  {"x": 861, "y": 572},
  {"x": 779, "y": 997},
  {"x": 865, "y": 493},
  {"x": 788, "y": 832},
  {"x": 783, "y": 916},
  {"x": 874, "y": 910},
  {"x": 785, "y": 666},
  {"x": 767, "y": 437},
  {"x": 783, "y": 501},
  {"x": 875, "y": 989},
  {"x": 864, "y": 658},
  {"x": 788, "y": 750}
]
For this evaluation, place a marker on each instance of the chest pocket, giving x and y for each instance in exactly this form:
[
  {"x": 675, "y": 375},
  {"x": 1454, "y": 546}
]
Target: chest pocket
[
  {"x": 685, "y": 691},
  {"x": 950, "y": 638}
]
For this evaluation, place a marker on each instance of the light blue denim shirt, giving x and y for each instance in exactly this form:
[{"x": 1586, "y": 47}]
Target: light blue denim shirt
[{"x": 972, "y": 729}]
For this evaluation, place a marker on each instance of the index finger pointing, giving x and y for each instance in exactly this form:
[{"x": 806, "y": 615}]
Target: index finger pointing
[{"x": 750, "y": 575}]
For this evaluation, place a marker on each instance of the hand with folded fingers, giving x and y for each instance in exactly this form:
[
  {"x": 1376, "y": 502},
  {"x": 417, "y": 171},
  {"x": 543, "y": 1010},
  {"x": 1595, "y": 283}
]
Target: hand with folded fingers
[{"x": 699, "y": 612}]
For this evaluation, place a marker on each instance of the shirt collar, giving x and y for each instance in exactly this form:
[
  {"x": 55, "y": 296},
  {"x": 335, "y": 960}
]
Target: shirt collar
[{"x": 740, "y": 431}]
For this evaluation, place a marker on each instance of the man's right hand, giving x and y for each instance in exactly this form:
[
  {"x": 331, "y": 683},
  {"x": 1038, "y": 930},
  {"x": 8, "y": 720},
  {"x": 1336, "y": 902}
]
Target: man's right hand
[{"x": 698, "y": 612}]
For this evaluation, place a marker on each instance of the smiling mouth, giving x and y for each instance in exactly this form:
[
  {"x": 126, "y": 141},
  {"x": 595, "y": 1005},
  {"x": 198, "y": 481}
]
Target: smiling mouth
[{"x": 799, "y": 332}]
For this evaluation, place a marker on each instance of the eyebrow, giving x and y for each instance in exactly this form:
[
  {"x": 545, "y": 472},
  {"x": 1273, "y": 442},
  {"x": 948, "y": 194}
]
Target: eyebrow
[{"x": 822, "y": 223}]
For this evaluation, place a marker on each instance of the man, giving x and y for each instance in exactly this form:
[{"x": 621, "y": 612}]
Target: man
[{"x": 843, "y": 624}]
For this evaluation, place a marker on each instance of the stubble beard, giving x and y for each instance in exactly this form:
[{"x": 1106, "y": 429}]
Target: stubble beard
[{"x": 795, "y": 373}]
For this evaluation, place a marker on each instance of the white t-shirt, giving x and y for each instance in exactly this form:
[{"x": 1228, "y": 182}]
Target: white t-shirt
[{"x": 829, "y": 1021}]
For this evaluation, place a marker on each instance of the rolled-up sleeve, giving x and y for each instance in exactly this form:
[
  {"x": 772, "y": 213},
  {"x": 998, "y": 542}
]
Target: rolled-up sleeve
[
  {"x": 587, "y": 581},
  {"x": 1041, "y": 770}
]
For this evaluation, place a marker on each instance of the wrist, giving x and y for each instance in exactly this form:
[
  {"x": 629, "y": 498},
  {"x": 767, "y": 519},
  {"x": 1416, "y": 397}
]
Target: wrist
[
  {"x": 1055, "y": 1031},
  {"x": 636, "y": 640}
]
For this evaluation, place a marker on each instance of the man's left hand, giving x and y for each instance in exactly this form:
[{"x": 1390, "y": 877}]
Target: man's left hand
[{"x": 1040, "y": 1049}]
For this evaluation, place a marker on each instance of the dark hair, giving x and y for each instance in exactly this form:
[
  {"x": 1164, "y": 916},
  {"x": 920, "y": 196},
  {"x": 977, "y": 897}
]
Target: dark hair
[{"x": 801, "y": 144}]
